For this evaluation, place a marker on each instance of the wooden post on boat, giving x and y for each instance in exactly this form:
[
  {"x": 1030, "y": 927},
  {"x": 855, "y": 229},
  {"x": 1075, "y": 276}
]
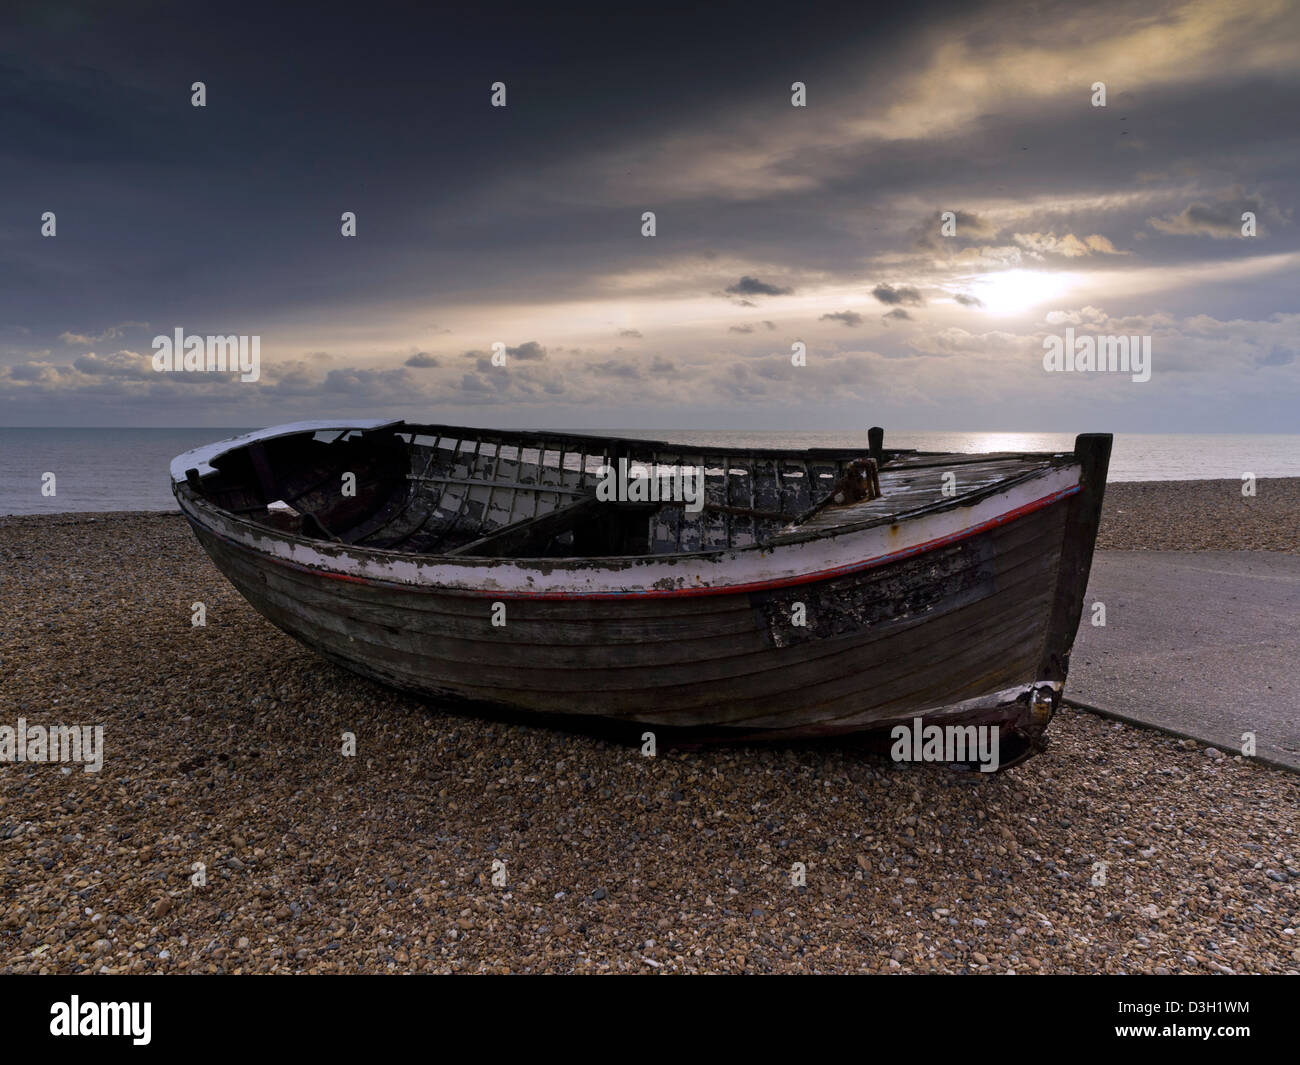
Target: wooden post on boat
[
  {"x": 876, "y": 443},
  {"x": 1092, "y": 452}
]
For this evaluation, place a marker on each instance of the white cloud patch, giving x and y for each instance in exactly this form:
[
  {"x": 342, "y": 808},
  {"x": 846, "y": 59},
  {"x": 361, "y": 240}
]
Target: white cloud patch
[{"x": 1071, "y": 247}]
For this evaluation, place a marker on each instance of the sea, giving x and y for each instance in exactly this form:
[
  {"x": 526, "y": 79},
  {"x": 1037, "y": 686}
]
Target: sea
[{"x": 127, "y": 469}]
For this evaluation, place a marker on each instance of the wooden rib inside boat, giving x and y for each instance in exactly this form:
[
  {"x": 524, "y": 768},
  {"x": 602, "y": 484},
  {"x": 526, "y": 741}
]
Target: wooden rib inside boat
[{"x": 790, "y": 593}]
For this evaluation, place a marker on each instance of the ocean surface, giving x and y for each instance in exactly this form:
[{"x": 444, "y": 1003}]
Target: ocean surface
[{"x": 126, "y": 469}]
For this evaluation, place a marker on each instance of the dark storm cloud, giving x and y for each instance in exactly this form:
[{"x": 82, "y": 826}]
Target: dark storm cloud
[
  {"x": 226, "y": 219},
  {"x": 30, "y": 371},
  {"x": 902, "y": 294},
  {"x": 898, "y": 315},
  {"x": 1220, "y": 220},
  {"x": 929, "y": 234},
  {"x": 752, "y": 286},
  {"x": 339, "y": 113},
  {"x": 529, "y": 351}
]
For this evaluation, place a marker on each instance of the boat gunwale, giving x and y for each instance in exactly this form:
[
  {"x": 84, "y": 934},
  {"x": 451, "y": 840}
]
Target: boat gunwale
[
  {"x": 205, "y": 452},
  {"x": 626, "y": 561},
  {"x": 1050, "y": 461},
  {"x": 742, "y": 588}
]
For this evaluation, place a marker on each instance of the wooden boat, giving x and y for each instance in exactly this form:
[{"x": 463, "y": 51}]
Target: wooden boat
[{"x": 813, "y": 592}]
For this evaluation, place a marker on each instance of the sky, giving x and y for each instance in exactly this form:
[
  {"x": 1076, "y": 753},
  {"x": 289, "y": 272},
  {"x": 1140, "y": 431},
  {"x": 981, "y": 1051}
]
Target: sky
[{"x": 775, "y": 225}]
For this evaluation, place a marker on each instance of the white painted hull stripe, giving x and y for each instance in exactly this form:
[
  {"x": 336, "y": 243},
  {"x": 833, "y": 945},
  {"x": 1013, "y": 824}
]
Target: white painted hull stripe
[{"x": 730, "y": 573}]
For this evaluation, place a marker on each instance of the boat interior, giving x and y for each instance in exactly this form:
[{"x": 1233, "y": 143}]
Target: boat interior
[{"x": 438, "y": 490}]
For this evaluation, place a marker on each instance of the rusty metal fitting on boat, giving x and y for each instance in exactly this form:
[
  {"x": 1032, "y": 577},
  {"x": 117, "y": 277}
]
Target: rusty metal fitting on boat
[
  {"x": 1042, "y": 705},
  {"x": 860, "y": 482}
]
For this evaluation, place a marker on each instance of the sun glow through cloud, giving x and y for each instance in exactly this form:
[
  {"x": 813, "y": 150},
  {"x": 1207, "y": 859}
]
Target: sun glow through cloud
[{"x": 1012, "y": 292}]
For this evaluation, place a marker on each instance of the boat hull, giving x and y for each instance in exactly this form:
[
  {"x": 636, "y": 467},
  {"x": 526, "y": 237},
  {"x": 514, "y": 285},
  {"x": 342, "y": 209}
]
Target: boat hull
[{"x": 973, "y": 625}]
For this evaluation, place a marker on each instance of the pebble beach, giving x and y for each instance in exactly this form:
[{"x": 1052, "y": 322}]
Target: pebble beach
[{"x": 227, "y": 833}]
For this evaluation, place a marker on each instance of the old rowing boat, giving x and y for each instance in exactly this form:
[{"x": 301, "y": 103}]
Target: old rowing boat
[{"x": 788, "y": 593}]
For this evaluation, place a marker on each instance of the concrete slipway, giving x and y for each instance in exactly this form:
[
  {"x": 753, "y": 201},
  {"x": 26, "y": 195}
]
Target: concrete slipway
[{"x": 1201, "y": 644}]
